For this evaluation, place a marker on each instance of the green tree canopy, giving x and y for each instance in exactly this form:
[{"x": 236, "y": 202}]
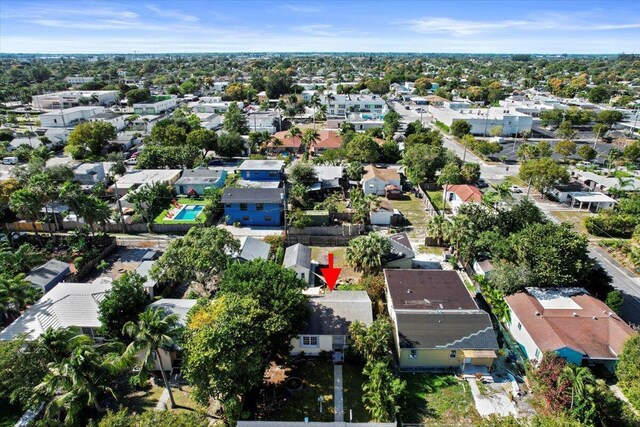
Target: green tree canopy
[
  {"x": 90, "y": 138},
  {"x": 460, "y": 128},
  {"x": 121, "y": 304},
  {"x": 543, "y": 173},
  {"x": 235, "y": 121},
  {"x": 230, "y": 145},
  {"x": 362, "y": 148},
  {"x": 422, "y": 162}
]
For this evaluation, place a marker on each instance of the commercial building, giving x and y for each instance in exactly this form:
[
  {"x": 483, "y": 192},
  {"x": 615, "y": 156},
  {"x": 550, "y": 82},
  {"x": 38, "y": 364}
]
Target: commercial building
[
  {"x": 69, "y": 117},
  {"x": 157, "y": 105},
  {"x": 339, "y": 105},
  {"x": 73, "y": 98},
  {"x": 483, "y": 119},
  {"x": 78, "y": 80},
  {"x": 115, "y": 120}
]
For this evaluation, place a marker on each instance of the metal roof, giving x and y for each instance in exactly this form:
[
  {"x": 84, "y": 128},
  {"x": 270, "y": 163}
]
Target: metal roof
[
  {"x": 297, "y": 255},
  {"x": 268, "y": 165}
]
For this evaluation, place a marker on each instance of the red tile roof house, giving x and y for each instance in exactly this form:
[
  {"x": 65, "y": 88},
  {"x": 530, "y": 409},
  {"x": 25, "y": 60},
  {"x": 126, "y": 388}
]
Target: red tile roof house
[
  {"x": 328, "y": 140},
  {"x": 568, "y": 321},
  {"x": 457, "y": 195}
]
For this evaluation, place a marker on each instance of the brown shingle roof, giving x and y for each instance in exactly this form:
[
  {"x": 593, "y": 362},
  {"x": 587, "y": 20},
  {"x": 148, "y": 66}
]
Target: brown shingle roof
[
  {"x": 383, "y": 174},
  {"x": 428, "y": 290},
  {"x": 592, "y": 331}
]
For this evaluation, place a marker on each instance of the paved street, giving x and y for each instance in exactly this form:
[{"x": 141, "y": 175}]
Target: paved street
[{"x": 622, "y": 279}]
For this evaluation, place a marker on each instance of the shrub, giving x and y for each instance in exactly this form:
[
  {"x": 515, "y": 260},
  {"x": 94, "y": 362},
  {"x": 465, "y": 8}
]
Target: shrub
[{"x": 611, "y": 225}]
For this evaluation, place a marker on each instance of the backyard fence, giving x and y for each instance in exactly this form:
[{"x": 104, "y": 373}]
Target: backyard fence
[
  {"x": 89, "y": 266},
  {"x": 338, "y": 230},
  {"x": 311, "y": 240},
  {"x": 428, "y": 206}
]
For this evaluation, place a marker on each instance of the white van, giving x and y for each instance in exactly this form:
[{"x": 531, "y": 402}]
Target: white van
[{"x": 10, "y": 161}]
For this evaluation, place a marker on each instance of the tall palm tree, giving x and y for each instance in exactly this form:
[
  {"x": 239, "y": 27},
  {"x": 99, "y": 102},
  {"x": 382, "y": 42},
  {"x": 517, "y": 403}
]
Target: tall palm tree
[
  {"x": 26, "y": 203},
  {"x": 309, "y": 139},
  {"x": 294, "y": 132},
  {"x": 315, "y": 103},
  {"x": 22, "y": 259},
  {"x": 78, "y": 381},
  {"x": 93, "y": 210},
  {"x": 59, "y": 343},
  {"x": 71, "y": 194},
  {"x": 155, "y": 331},
  {"x": 495, "y": 298},
  {"x": 281, "y": 107}
]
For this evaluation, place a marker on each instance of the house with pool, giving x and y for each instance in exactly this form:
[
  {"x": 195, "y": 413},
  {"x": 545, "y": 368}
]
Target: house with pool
[
  {"x": 254, "y": 206},
  {"x": 194, "y": 182}
]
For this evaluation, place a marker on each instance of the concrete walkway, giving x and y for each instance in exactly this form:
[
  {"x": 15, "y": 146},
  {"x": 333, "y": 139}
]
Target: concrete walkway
[
  {"x": 495, "y": 403},
  {"x": 337, "y": 393}
]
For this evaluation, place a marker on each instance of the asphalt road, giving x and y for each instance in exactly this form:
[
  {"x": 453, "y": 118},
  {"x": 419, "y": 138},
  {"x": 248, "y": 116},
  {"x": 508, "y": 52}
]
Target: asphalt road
[{"x": 622, "y": 279}]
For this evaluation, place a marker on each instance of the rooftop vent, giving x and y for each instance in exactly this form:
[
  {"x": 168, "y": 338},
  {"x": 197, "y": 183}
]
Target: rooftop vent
[
  {"x": 575, "y": 314},
  {"x": 537, "y": 313},
  {"x": 409, "y": 291},
  {"x": 594, "y": 318}
]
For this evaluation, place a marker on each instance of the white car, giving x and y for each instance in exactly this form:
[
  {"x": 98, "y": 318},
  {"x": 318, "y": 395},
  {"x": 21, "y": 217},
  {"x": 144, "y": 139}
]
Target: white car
[
  {"x": 131, "y": 161},
  {"x": 515, "y": 189}
]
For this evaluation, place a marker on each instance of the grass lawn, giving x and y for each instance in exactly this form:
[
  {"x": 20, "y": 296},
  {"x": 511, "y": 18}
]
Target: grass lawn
[
  {"x": 143, "y": 400},
  {"x": 514, "y": 180},
  {"x": 438, "y": 399},
  {"x": 348, "y": 275},
  {"x": 436, "y": 199},
  {"x": 573, "y": 218},
  {"x": 352, "y": 391},
  {"x": 317, "y": 376},
  {"x": 413, "y": 210},
  {"x": 160, "y": 219},
  {"x": 184, "y": 401},
  {"x": 433, "y": 250}
]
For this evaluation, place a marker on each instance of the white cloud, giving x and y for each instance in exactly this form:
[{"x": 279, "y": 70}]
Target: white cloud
[
  {"x": 302, "y": 8},
  {"x": 172, "y": 14}
]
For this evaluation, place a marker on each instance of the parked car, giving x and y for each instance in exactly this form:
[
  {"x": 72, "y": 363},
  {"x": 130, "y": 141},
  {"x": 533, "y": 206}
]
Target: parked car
[
  {"x": 515, "y": 189},
  {"x": 10, "y": 161},
  {"x": 215, "y": 162},
  {"x": 131, "y": 161},
  {"x": 482, "y": 183},
  {"x": 406, "y": 107}
]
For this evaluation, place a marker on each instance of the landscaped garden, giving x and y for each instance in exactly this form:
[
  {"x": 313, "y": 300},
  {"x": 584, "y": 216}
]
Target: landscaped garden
[{"x": 183, "y": 211}]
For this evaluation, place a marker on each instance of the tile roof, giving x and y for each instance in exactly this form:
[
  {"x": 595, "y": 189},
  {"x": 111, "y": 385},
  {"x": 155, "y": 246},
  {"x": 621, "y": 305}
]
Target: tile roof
[
  {"x": 467, "y": 193},
  {"x": 574, "y": 319},
  {"x": 384, "y": 174},
  {"x": 288, "y": 142},
  {"x": 328, "y": 139},
  {"x": 332, "y": 313}
]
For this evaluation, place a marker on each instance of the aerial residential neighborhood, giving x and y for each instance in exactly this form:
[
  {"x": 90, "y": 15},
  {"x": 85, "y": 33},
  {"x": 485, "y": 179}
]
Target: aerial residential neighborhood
[{"x": 319, "y": 213}]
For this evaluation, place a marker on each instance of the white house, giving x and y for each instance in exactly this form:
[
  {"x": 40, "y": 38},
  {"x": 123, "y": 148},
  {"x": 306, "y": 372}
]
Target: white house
[
  {"x": 568, "y": 321},
  {"x": 66, "y": 305},
  {"x": 458, "y": 195},
  {"x": 69, "y": 117},
  {"x": 384, "y": 214},
  {"x": 331, "y": 316},
  {"x": 376, "y": 179},
  {"x": 72, "y": 98},
  {"x": 90, "y": 173},
  {"x": 140, "y": 177},
  {"x": 298, "y": 259},
  {"x": 209, "y": 120},
  {"x": 115, "y": 120},
  {"x": 261, "y": 121}
]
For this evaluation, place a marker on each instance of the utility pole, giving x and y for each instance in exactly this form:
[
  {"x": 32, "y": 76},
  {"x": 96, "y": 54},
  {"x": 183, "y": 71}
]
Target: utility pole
[{"x": 124, "y": 226}]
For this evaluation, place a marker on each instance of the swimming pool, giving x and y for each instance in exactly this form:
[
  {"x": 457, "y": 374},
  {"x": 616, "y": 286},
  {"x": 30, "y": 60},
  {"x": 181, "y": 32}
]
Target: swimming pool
[{"x": 189, "y": 213}]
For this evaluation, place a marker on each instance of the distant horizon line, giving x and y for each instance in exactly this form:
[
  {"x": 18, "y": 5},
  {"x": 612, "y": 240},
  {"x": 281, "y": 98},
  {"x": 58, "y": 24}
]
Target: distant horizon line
[{"x": 318, "y": 53}]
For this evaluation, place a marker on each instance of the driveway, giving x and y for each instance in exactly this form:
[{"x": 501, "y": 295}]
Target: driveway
[
  {"x": 257, "y": 232},
  {"x": 492, "y": 400}
]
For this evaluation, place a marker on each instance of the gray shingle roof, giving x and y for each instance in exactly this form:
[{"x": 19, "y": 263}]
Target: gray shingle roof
[
  {"x": 199, "y": 176},
  {"x": 448, "y": 330},
  {"x": 332, "y": 313},
  {"x": 251, "y": 249},
  {"x": 252, "y": 195},
  {"x": 297, "y": 255},
  {"x": 43, "y": 275}
]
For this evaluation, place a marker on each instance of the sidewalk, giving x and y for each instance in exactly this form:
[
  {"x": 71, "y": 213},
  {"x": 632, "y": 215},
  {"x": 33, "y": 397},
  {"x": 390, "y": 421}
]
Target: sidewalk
[{"x": 337, "y": 393}]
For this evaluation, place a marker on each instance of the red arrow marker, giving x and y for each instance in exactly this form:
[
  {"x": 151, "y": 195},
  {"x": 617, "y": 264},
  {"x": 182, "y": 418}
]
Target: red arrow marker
[{"x": 331, "y": 274}]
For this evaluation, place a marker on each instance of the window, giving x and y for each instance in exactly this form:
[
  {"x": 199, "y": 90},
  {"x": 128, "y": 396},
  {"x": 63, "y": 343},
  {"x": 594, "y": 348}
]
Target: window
[
  {"x": 413, "y": 354},
  {"x": 243, "y": 206},
  {"x": 537, "y": 354},
  {"x": 267, "y": 218},
  {"x": 302, "y": 276},
  {"x": 55, "y": 120},
  {"x": 453, "y": 353},
  {"x": 310, "y": 341},
  {"x": 274, "y": 174},
  {"x": 259, "y": 206},
  {"x": 245, "y": 218},
  {"x": 519, "y": 326}
]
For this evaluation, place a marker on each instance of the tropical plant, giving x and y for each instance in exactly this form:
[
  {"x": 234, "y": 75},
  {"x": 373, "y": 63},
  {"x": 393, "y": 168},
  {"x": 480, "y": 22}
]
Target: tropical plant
[
  {"x": 154, "y": 331},
  {"x": 437, "y": 228},
  {"x": 381, "y": 391},
  {"x": 367, "y": 253}
]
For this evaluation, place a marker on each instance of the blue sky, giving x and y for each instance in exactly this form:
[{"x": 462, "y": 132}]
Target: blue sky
[{"x": 80, "y": 26}]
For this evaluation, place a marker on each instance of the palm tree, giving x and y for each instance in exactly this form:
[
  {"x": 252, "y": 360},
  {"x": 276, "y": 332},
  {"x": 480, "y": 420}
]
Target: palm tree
[
  {"x": 71, "y": 194},
  {"x": 294, "y": 132},
  {"x": 154, "y": 331},
  {"x": 499, "y": 307},
  {"x": 94, "y": 210},
  {"x": 26, "y": 203},
  {"x": 580, "y": 379},
  {"x": 78, "y": 381},
  {"x": 315, "y": 103},
  {"x": 382, "y": 391},
  {"x": 366, "y": 253},
  {"x": 321, "y": 115},
  {"x": 436, "y": 227},
  {"x": 281, "y": 107},
  {"x": 59, "y": 343},
  {"x": 309, "y": 139},
  {"x": 16, "y": 293},
  {"x": 22, "y": 259}
]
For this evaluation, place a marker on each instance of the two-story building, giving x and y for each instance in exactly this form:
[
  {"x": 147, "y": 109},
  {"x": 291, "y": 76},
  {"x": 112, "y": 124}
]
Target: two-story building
[
  {"x": 69, "y": 117},
  {"x": 261, "y": 170},
  {"x": 254, "y": 206},
  {"x": 157, "y": 105}
]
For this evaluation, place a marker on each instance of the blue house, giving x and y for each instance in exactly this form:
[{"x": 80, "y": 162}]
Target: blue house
[
  {"x": 262, "y": 170},
  {"x": 253, "y": 206},
  {"x": 195, "y": 181}
]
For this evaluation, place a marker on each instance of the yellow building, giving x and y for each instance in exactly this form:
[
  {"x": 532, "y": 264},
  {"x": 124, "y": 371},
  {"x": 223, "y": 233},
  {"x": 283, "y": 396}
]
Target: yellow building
[{"x": 437, "y": 323}]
